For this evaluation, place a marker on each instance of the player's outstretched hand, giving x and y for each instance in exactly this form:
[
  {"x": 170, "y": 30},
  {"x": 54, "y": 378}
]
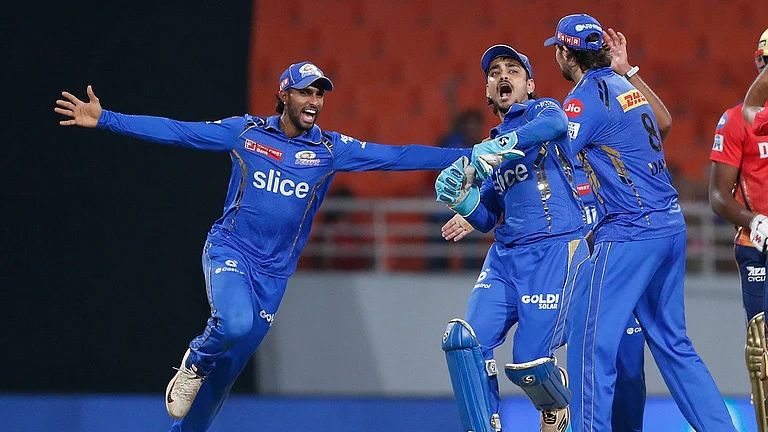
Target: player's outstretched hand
[
  {"x": 617, "y": 47},
  {"x": 491, "y": 153},
  {"x": 79, "y": 113},
  {"x": 457, "y": 228}
]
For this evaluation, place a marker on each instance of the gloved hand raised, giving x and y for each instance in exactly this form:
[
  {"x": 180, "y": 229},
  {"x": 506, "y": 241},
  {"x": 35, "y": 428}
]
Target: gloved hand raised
[{"x": 489, "y": 154}]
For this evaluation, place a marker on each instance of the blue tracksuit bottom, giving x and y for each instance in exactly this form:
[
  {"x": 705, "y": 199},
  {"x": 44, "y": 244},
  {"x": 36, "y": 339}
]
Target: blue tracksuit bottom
[
  {"x": 645, "y": 277},
  {"x": 243, "y": 306}
]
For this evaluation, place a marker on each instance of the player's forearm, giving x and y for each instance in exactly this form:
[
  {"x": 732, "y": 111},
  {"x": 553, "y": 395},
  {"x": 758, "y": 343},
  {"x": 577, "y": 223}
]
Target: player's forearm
[
  {"x": 756, "y": 97},
  {"x": 548, "y": 125},
  {"x": 162, "y": 130},
  {"x": 663, "y": 117},
  {"x": 725, "y": 206},
  {"x": 481, "y": 218}
]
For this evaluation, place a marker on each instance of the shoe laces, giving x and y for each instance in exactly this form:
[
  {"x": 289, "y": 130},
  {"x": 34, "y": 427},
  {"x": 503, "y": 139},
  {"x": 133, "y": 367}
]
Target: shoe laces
[{"x": 188, "y": 383}]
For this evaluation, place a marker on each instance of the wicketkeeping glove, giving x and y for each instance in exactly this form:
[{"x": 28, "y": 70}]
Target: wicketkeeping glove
[
  {"x": 759, "y": 234},
  {"x": 489, "y": 154},
  {"x": 454, "y": 187}
]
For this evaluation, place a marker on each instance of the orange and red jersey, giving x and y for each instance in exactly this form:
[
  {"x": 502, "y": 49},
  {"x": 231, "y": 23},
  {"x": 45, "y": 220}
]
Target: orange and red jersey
[{"x": 737, "y": 145}]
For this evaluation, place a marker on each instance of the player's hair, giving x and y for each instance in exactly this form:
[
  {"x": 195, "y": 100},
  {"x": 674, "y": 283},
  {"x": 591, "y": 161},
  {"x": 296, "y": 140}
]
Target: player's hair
[
  {"x": 591, "y": 59},
  {"x": 280, "y": 105}
]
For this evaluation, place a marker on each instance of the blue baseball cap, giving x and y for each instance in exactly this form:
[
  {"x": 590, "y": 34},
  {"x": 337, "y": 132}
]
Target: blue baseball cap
[
  {"x": 573, "y": 30},
  {"x": 301, "y": 75},
  {"x": 507, "y": 51}
]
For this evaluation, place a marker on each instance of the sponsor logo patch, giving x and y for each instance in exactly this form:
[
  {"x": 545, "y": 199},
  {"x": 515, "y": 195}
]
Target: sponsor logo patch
[
  {"x": 588, "y": 26},
  {"x": 573, "y": 130},
  {"x": 545, "y": 301},
  {"x": 584, "y": 189},
  {"x": 763, "y": 147},
  {"x": 631, "y": 99},
  {"x": 755, "y": 274},
  {"x": 568, "y": 40},
  {"x": 265, "y": 150},
  {"x": 307, "y": 158},
  {"x": 718, "y": 144},
  {"x": 573, "y": 108},
  {"x": 722, "y": 121}
]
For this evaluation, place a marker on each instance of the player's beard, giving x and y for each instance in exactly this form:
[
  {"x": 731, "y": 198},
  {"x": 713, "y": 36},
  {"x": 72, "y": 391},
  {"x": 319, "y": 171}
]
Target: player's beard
[
  {"x": 567, "y": 74},
  {"x": 294, "y": 116}
]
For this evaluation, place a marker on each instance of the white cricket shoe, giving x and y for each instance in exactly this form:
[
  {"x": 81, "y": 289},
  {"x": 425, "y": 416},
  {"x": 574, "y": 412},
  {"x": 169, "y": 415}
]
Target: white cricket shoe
[
  {"x": 557, "y": 420},
  {"x": 182, "y": 390}
]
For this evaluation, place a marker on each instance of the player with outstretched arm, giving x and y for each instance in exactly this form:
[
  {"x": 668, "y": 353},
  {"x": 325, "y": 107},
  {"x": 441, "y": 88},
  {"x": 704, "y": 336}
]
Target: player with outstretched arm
[{"x": 282, "y": 168}]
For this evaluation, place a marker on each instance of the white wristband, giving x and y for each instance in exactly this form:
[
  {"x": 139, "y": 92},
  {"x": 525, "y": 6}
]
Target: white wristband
[{"x": 632, "y": 72}]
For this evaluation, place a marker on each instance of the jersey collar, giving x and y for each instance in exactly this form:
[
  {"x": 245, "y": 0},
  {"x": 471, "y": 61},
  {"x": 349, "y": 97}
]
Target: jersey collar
[
  {"x": 515, "y": 111},
  {"x": 313, "y": 136}
]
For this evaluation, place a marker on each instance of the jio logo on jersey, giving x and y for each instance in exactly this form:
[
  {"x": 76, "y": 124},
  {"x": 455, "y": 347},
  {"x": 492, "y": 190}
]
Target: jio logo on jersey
[
  {"x": 271, "y": 182},
  {"x": 507, "y": 178},
  {"x": 573, "y": 108}
]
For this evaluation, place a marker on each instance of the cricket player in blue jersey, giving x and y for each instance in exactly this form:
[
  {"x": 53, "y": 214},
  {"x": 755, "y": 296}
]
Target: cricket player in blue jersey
[
  {"x": 282, "y": 167},
  {"x": 639, "y": 256},
  {"x": 528, "y": 274}
]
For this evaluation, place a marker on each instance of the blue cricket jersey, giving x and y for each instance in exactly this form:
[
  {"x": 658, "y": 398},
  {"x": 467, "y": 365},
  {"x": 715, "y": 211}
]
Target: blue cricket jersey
[
  {"x": 623, "y": 156},
  {"x": 277, "y": 182},
  {"x": 535, "y": 194}
]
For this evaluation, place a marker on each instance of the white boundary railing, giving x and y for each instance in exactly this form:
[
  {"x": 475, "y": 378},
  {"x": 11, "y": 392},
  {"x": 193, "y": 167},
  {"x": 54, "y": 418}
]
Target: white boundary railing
[{"x": 379, "y": 230}]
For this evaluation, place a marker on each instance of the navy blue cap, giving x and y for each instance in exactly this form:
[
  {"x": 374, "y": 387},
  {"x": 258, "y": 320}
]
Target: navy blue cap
[
  {"x": 507, "y": 51},
  {"x": 573, "y": 30},
  {"x": 301, "y": 75}
]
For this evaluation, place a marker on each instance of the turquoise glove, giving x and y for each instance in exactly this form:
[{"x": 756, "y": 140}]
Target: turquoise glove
[
  {"x": 489, "y": 154},
  {"x": 454, "y": 187}
]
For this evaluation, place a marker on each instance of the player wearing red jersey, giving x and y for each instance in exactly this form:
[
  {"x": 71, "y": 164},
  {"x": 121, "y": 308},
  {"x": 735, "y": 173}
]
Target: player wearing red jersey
[{"x": 738, "y": 193}]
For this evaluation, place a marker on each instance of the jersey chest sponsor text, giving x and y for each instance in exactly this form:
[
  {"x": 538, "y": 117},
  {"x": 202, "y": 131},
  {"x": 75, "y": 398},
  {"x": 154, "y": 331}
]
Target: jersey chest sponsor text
[
  {"x": 506, "y": 178},
  {"x": 275, "y": 183}
]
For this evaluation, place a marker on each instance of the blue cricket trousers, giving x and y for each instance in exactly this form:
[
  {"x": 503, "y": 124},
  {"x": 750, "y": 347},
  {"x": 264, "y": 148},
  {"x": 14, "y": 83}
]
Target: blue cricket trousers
[
  {"x": 646, "y": 277},
  {"x": 243, "y": 305}
]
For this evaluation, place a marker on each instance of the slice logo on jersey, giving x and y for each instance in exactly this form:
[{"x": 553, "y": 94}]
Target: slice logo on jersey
[
  {"x": 573, "y": 108},
  {"x": 723, "y": 120},
  {"x": 504, "y": 180},
  {"x": 631, "y": 99},
  {"x": 718, "y": 144},
  {"x": 272, "y": 182},
  {"x": 763, "y": 148},
  {"x": 573, "y": 130},
  {"x": 264, "y": 150},
  {"x": 483, "y": 275},
  {"x": 755, "y": 274},
  {"x": 306, "y": 158},
  {"x": 545, "y": 301}
]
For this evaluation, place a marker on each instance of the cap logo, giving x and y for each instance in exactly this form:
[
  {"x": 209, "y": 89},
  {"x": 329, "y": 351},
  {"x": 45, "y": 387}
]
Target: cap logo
[
  {"x": 568, "y": 40},
  {"x": 284, "y": 83},
  {"x": 309, "y": 69},
  {"x": 588, "y": 26}
]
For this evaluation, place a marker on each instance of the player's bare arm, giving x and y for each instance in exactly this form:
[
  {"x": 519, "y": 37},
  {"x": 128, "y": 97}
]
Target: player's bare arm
[
  {"x": 756, "y": 97},
  {"x": 722, "y": 180},
  {"x": 617, "y": 46},
  {"x": 85, "y": 114}
]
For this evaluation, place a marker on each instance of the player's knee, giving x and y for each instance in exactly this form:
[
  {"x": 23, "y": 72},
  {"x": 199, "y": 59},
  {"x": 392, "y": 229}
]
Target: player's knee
[
  {"x": 459, "y": 335},
  {"x": 236, "y": 327},
  {"x": 543, "y": 381}
]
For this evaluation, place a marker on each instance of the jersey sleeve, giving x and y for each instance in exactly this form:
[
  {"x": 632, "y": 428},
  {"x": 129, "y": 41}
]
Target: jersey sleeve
[
  {"x": 487, "y": 213},
  {"x": 585, "y": 117},
  {"x": 729, "y": 139},
  {"x": 545, "y": 121},
  {"x": 760, "y": 124},
  {"x": 220, "y": 135},
  {"x": 351, "y": 154}
]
